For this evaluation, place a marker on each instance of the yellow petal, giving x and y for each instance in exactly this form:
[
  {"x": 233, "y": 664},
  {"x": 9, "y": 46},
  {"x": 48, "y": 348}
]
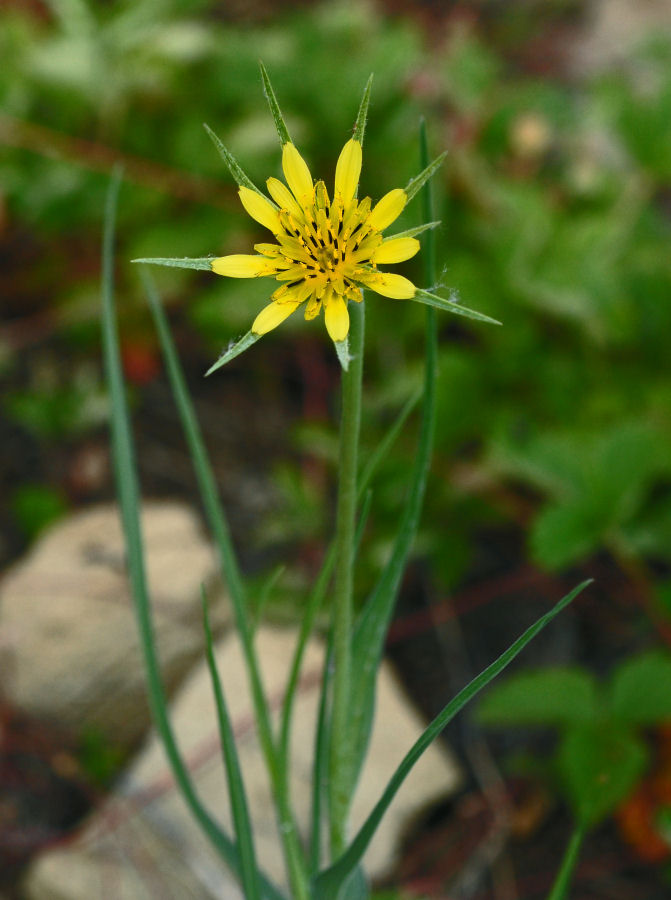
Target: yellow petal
[
  {"x": 271, "y": 316},
  {"x": 242, "y": 265},
  {"x": 260, "y": 209},
  {"x": 348, "y": 170},
  {"x": 312, "y": 307},
  {"x": 283, "y": 197},
  {"x": 388, "y": 209},
  {"x": 297, "y": 174},
  {"x": 337, "y": 318},
  {"x": 395, "y": 250},
  {"x": 395, "y": 286}
]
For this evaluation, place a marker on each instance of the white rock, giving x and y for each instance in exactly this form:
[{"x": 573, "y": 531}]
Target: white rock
[
  {"x": 144, "y": 841},
  {"x": 68, "y": 636},
  {"x": 616, "y": 27}
]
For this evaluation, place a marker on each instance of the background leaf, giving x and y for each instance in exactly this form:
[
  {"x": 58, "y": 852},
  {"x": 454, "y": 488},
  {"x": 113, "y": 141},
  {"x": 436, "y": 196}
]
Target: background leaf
[
  {"x": 599, "y": 766},
  {"x": 640, "y": 691},
  {"x": 555, "y": 697}
]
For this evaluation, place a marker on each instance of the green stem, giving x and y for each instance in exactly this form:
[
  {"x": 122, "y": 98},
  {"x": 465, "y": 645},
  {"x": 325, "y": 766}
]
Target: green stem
[
  {"x": 560, "y": 888},
  {"x": 341, "y": 751}
]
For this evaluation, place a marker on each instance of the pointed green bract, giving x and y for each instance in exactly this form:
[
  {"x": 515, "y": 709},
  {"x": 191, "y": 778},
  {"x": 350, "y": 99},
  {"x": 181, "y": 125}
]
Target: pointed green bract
[
  {"x": 418, "y": 182},
  {"x": 249, "y": 874},
  {"x": 362, "y": 115},
  {"x": 204, "y": 263},
  {"x": 413, "y": 232},
  {"x": 451, "y": 306},
  {"x": 342, "y": 349},
  {"x": 240, "y": 178},
  {"x": 236, "y": 349},
  {"x": 327, "y": 885},
  {"x": 276, "y": 112}
]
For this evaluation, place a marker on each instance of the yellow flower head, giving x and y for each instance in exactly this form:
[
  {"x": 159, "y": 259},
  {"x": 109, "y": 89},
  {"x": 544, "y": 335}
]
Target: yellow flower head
[{"x": 327, "y": 249}]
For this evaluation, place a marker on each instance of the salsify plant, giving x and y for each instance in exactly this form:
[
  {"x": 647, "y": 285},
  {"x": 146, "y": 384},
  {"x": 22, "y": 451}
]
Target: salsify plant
[{"x": 325, "y": 254}]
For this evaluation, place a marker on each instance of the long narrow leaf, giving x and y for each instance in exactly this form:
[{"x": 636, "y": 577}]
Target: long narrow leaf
[
  {"x": 373, "y": 623},
  {"x": 451, "y": 306},
  {"x": 565, "y": 875},
  {"x": 129, "y": 500},
  {"x": 265, "y": 593},
  {"x": 203, "y": 263},
  {"x": 329, "y": 882},
  {"x": 276, "y": 112},
  {"x": 249, "y": 875},
  {"x": 231, "y": 572},
  {"x": 234, "y": 350},
  {"x": 312, "y": 608},
  {"x": 320, "y": 762},
  {"x": 318, "y": 592},
  {"x": 386, "y": 443}
]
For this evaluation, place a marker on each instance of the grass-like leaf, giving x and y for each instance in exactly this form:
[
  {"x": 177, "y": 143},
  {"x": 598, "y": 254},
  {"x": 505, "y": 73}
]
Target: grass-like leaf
[
  {"x": 415, "y": 184},
  {"x": 564, "y": 876},
  {"x": 385, "y": 445},
  {"x": 234, "y": 350},
  {"x": 328, "y": 883},
  {"x": 318, "y": 592},
  {"x": 231, "y": 573},
  {"x": 362, "y": 115},
  {"x": 234, "y": 167},
  {"x": 451, "y": 306},
  {"x": 373, "y": 624},
  {"x": 265, "y": 593},
  {"x": 276, "y": 112},
  {"x": 129, "y": 501},
  {"x": 203, "y": 263},
  {"x": 320, "y": 762},
  {"x": 312, "y": 607},
  {"x": 249, "y": 875}
]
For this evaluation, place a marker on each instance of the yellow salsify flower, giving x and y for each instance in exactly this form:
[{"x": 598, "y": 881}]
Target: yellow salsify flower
[{"x": 327, "y": 249}]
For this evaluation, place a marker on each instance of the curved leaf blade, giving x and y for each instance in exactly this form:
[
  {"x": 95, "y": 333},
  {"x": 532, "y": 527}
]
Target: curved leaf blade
[{"x": 328, "y": 883}]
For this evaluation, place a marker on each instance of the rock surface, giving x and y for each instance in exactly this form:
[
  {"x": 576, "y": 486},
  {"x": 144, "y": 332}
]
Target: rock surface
[
  {"x": 68, "y": 637},
  {"x": 143, "y": 843},
  {"x": 615, "y": 28}
]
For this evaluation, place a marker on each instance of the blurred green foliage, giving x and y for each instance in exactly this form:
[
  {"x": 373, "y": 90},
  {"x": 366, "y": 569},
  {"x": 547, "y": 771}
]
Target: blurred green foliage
[
  {"x": 601, "y": 754},
  {"x": 100, "y": 760},
  {"x": 36, "y": 506},
  {"x": 555, "y": 220}
]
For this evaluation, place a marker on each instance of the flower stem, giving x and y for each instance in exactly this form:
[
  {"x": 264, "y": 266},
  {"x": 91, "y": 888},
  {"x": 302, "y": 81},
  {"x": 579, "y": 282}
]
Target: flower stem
[{"x": 341, "y": 750}]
